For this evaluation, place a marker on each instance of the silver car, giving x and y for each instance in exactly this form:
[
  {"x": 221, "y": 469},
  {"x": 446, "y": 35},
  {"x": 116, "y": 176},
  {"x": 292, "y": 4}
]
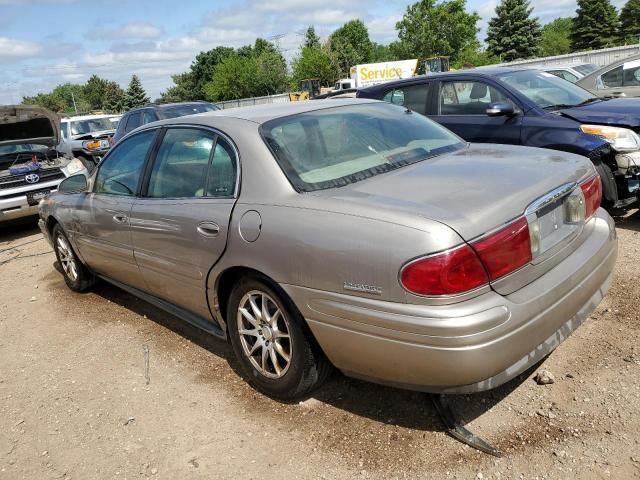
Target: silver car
[
  {"x": 618, "y": 79},
  {"x": 351, "y": 233}
]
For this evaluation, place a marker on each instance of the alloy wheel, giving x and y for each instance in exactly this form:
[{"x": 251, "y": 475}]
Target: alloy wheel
[
  {"x": 264, "y": 334},
  {"x": 67, "y": 259}
]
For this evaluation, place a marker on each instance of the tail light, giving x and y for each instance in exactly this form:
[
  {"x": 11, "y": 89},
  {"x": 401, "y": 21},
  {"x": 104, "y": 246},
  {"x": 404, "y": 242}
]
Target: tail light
[
  {"x": 447, "y": 273},
  {"x": 592, "y": 191},
  {"x": 470, "y": 266}
]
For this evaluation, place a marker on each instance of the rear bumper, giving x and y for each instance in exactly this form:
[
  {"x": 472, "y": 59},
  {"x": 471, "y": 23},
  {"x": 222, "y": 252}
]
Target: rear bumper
[{"x": 470, "y": 346}]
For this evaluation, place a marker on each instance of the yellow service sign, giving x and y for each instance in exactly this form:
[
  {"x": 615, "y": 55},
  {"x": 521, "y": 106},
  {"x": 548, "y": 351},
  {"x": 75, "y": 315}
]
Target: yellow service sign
[{"x": 373, "y": 73}]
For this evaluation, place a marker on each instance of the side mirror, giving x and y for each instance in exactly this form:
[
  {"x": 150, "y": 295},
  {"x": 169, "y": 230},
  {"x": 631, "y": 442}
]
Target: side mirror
[
  {"x": 501, "y": 109},
  {"x": 74, "y": 184}
]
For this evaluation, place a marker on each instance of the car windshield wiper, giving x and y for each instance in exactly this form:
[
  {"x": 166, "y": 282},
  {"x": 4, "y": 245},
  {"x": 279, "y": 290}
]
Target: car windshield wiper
[
  {"x": 566, "y": 105},
  {"x": 589, "y": 100}
]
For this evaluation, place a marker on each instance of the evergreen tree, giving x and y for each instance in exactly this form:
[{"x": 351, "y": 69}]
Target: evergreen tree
[
  {"x": 630, "y": 22},
  {"x": 512, "y": 33},
  {"x": 311, "y": 39},
  {"x": 595, "y": 25},
  {"x": 135, "y": 96},
  {"x": 113, "y": 98}
]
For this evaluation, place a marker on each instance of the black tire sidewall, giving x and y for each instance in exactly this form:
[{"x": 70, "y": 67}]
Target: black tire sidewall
[{"x": 302, "y": 359}]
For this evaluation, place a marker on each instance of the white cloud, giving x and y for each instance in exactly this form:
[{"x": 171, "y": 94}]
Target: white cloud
[
  {"x": 12, "y": 48},
  {"x": 134, "y": 30}
]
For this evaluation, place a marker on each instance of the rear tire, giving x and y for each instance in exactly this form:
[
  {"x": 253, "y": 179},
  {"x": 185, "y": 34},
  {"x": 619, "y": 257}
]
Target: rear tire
[
  {"x": 276, "y": 351},
  {"x": 77, "y": 277}
]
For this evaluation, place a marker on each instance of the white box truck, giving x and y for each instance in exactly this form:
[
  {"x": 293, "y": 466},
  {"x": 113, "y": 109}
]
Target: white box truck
[{"x": 373, "y": 73}]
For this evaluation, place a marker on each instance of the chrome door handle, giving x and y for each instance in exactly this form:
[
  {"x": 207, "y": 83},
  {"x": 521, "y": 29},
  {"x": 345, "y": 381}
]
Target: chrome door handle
[
  {"x": 120, "y": 218},
  {"x": 208, "y": 229}
]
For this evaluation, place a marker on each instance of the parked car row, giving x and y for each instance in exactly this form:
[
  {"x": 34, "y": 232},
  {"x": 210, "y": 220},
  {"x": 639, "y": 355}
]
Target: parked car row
[
  {"x": 359, "y": 234},
  {"x": 533, "y": 108}
]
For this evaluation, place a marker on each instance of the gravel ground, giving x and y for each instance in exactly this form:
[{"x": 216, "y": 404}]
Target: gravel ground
[{"x": 75, "y": 402}]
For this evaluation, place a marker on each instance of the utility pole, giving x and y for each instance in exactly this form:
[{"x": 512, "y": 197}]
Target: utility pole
[{"x": 74, "y": 102}]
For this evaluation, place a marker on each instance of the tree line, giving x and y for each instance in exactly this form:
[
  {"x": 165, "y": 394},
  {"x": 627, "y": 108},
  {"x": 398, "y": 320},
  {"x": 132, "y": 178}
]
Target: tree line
[{"x": 428, "y": 28}]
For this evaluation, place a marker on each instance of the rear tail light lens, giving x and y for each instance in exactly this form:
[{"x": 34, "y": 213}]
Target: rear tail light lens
[
  {"x": 592, "y": 191},
  {"x": 470, "y": 266},
  {"x": 448, "y": 273},
  {"x": 506, "y": 250}
]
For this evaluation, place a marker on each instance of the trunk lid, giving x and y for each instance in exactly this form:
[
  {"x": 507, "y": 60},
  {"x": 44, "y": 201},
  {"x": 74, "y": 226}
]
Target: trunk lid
[
  {"x": 473, "y": 190},
  {"x": 28, "y": 124}
]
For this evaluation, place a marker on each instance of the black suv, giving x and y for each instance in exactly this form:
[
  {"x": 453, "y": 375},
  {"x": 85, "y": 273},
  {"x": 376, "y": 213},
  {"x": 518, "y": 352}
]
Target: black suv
[{"x": 150, "y": 113}]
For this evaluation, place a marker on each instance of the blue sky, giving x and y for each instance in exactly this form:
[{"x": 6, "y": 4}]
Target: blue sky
[{"x": 47, "y": 42}]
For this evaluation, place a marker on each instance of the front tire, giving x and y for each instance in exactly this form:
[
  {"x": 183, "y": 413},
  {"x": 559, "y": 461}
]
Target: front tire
[
  {"x": 276, "y": 352},
  {"x": 77, "y": 277}
]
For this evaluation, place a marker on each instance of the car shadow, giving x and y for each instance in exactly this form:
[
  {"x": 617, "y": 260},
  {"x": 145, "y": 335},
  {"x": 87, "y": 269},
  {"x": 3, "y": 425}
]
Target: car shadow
[
  {"x": 18, "y": 229},
  {"x": 385, "y": 405},
  {"x": 630, "y": 221}
]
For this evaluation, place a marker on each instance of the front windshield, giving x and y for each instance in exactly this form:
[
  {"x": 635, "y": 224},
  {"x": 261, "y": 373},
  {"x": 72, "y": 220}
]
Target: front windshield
[
  {"x": 586, "y": 68},
  {"x": 337, "y": 146},
  {"x": 546, "y": 90},
  {"x": 81, "y": 127},
  {"x": 22, "y": 148}
]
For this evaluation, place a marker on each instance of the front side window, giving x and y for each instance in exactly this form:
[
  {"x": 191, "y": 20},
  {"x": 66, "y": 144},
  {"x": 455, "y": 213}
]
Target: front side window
[
  {"x": 120, "y": 171},
  {"x": 333, "y": 147},
  {"x": 414, "y": 97},
  {"x": 467, "y": 98},
  {"x": 546, "y": 90},
  {"x": 192, "y": 163}
]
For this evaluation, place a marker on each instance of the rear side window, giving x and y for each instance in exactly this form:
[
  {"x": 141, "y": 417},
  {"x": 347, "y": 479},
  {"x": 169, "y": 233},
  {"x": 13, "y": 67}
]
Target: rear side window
[
  {"x": 467, "y": 98},
  {"x": 414, "y": 97},
  {"x": 621, "y": 77},
  {"x": 192, "y": 163},
  {"x": 133, "y": 121},
  {"x": 121, "y": 170}
]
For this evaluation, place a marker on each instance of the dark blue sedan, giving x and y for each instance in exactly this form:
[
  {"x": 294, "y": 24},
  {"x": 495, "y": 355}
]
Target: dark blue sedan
[{"x": 533, "y": 108}]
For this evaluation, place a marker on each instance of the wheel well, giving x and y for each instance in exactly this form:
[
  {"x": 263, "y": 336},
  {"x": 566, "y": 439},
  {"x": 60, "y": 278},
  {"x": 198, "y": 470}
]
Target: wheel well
[
  {"x": 51, "y": 222},
  {"x": 228, "y": 280}
]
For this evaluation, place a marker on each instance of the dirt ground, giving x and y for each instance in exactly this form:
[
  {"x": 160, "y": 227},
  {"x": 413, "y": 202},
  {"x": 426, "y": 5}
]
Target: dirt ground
[{"x": 75, "y": 403}]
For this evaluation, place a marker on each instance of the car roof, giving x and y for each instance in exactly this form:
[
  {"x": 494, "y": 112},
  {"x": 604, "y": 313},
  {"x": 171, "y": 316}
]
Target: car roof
[
  {"x": 85, "y": 117},
  {"x": 263, "y": 113},
  {"x": 480, "y": 71},
  {"x": 168, "y": 105},
  {"x": 612, "y": 65}
]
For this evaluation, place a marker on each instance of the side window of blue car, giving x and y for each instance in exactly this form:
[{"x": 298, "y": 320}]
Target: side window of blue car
[
  {"x": 467, "y": 98},
  {"x": 414, "y": 97}
]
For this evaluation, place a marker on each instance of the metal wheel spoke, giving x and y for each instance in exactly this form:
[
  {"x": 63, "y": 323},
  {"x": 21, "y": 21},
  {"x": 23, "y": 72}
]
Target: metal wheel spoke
[
  {"x": 279, "y": 348},
  {"x": 254, "y": 307},
  {"x": 254, "y": 332},
  {"x": 265, "y": 310},
  {"x": 264, "y": 358},
  {"x": 279, "y": 334},
  {"x": 255, "y": 347},
  {"x": 274, "y": 319},
  {"x": 245, "y": 313},
  {"x": 274, "y": 361}
]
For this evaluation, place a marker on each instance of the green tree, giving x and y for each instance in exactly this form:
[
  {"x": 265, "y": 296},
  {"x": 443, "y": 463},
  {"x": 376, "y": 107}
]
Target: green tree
[
  {"x": 382, "y": 53},
  {"x": 182, "y": 90},
  {"x": 314, "y": 62},
  {"x": 350, "y": 45},
  {"x": 311, "y": 39},
  {"x": 428, "y": 29},
  {"x": 135, "y": 96},
  {"x": 595, "y": 25},
  {"x": 512, "y": 33},
  {"x": 474, "y": 56},
  {"x": 630, "y": 22},
  {"x": 556, "y": 37},
  {"x": 94, "y": 91},
  {"x": 114, "y": 98},
  {"x": 67, "y": 98},
  {"x": 271, "y": 73},
  {"x": 236, "y": 77}
]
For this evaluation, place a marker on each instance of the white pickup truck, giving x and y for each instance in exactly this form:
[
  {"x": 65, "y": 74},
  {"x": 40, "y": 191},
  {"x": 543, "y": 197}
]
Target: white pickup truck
[{"x": 30, "y": 165}]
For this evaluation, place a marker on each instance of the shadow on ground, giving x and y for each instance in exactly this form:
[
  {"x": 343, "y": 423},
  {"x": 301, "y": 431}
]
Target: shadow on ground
[
  {"x": 629, "y": 221},
  {"x": 18, "y": 229},
  {"x": 380, "y": 404}
]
